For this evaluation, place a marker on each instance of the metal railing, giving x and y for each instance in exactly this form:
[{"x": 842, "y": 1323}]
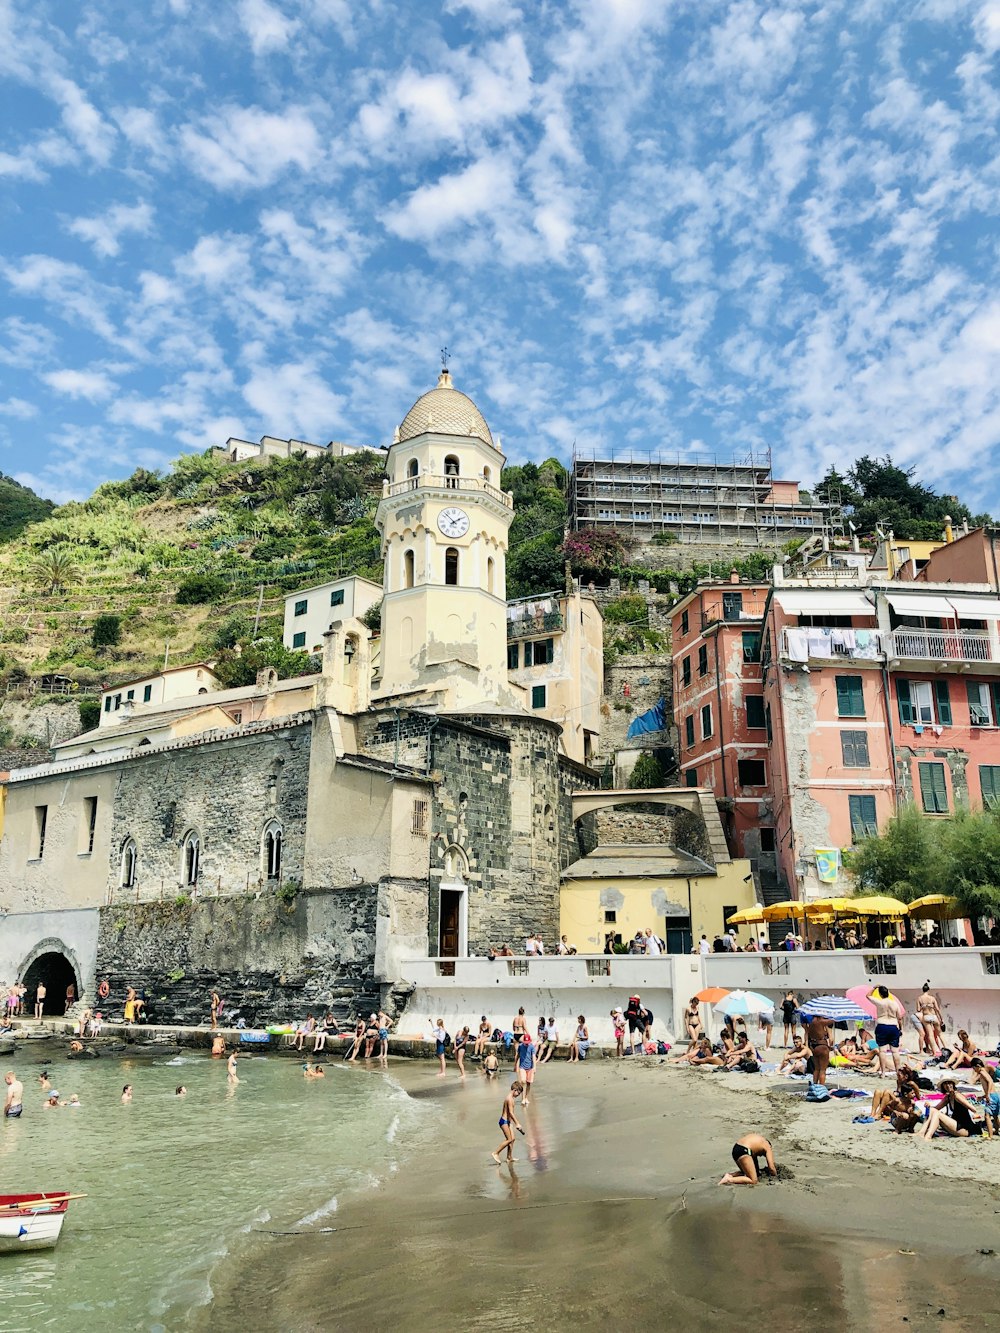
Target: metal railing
[
  {"x": 750, "y": 608},
  {"x": 941, "y": 645},
  {"x": 447, "y": 482},
  {"x": 524, "y": 626}
]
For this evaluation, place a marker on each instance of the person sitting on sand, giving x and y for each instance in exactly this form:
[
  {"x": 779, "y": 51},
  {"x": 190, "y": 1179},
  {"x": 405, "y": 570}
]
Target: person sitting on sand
[
  {"x": 846, "y": 1053},
  {"x": 491, "y": 1065},
  {"x": 794, "y": 1060},
  {"x": 699, "y": 1054},
  {"x": 507, "y": 1119},
  {"x": 962, "y": 1052},
  {"x": 743, "y": 1056},
  {"x": 746, "y": 1151},
  {"x": 982, "y": 1075},
  {"x": 953, "y": 1115}
]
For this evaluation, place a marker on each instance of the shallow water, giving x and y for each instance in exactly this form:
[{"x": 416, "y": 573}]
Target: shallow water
[{"x": 173, "y": 1183}]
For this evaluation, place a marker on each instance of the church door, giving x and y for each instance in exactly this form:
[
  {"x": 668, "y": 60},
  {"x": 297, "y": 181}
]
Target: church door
[{"x": 451, "y": 915}]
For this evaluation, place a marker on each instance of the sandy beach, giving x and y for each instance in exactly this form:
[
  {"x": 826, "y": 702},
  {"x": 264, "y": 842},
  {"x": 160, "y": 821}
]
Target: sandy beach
[{"x": 612, "y": 1217}]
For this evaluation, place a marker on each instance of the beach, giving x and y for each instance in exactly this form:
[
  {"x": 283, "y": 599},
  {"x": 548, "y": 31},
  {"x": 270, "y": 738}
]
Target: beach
[{"x": 612, "y": 1217}]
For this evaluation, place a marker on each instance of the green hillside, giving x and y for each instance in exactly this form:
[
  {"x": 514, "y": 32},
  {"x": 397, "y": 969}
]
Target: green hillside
[{"x": 19, "y": 506}]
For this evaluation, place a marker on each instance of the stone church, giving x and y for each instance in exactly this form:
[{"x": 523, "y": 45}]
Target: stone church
[{"x": 290, "y": 842}]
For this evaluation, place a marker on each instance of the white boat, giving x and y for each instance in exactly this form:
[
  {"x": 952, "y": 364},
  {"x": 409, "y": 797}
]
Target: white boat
[{"x": 32, "y": 1221}]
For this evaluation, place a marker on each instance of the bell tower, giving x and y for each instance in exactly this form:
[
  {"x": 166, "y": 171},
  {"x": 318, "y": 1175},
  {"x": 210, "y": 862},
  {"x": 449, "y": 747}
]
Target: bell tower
[{"x": 443, "y": 520}]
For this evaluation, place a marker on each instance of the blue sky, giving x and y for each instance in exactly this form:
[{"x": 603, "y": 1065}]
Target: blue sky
[{"x": 694, "y": 225}]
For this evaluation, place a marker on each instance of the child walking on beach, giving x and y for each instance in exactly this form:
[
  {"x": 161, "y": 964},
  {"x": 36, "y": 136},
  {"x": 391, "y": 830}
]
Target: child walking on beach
[
  {"x": 526, "y": 1066},
  {"x": 508, "y": 1118}
]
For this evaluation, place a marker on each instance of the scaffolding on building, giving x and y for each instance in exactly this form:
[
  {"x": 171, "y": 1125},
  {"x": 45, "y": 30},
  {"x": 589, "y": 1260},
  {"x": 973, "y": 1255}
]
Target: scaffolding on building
[{"x": 696, "y": 497}]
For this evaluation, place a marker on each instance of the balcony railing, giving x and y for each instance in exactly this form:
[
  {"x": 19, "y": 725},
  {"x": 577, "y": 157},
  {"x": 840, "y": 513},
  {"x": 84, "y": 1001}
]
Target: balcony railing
[
  {"x": 747, "y": 608},
  {"x": 940, "y": 645},
  {"x": 447, "y": 482},
  {"x": 533, "y": 616},
  {"x": 809, "y": 644}
]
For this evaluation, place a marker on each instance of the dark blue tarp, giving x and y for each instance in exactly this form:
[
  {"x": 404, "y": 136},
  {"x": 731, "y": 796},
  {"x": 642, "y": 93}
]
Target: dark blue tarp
[{"x": 653, "y": 720}]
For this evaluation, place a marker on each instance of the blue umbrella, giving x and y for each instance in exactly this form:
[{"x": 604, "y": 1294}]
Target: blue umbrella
[{"x": 835, "y": 1007}]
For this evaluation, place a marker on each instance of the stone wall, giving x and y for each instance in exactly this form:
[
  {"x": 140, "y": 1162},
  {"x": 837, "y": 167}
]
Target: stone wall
[
  {"x": 48, "y": 717},
  {"x": 227, "y": 791},
  {"x": 271, "y": 960},
  {"x": 633, "y": 683}
]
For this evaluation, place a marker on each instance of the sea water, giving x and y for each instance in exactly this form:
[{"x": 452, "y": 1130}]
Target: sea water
[{"x": 174, "y": 1183}]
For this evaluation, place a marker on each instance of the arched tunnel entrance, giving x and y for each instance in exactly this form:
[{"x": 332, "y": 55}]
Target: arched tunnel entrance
[{"x": 56, "y": 972}]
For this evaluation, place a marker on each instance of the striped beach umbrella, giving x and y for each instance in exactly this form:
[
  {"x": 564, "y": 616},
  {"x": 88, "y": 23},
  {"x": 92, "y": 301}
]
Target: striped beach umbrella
[
  {"x": 835, "y": 1007},
  {"x": 743, "y": 1003}
]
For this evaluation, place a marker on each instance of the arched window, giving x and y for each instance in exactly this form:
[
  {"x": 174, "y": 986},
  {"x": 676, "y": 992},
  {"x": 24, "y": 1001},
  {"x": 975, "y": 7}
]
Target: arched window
[
  {"x": 451, "y": 471},
  {"x": 270, "y": 850},
  {"x": 413, "y": 470},
  {"x": 487, "y": 475},
  {"x": 407, "y": 569},
  {"x": 490, "y": 574},
  {"x": 451, "y": 566},
  {"x": 190, "y": 857},
  {"x": 129, "y": 860}
]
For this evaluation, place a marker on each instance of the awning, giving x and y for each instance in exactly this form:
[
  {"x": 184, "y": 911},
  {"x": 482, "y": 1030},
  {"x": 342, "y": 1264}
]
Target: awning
[
  {"x": 917, "y": 604},
  {"x": 976, "y": 608},
  {"x": 823, "y": 602}
]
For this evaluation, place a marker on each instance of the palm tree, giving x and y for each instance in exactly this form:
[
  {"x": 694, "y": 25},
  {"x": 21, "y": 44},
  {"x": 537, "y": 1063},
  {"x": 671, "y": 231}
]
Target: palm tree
[{"x": 54, "y": 569}]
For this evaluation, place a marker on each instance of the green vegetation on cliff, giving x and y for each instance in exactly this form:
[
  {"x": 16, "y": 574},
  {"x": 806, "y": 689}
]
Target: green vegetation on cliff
[{"x": 19, "y": 506}]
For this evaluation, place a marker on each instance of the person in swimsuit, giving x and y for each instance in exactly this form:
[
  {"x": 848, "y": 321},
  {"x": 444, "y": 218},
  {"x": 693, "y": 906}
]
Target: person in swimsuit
[
  {"x": 889, "y": 1016},
  {"x": 461, "y": 1040},
  {"x": 700, "y": 1053},
  {"x": 126, "y": 1094},
  {"x": 507, "y": 1119},
  {"x": 13, "y": 1102},
  {"x": 40, "y": 999},
  {"x": 931, "y": 1020},
  {"x": 232, "y": 1078},
  {"x": 789, "y": 1007},
  {"x": 491, "y": 1065},
  {"x": 482, "y": 1037},
  {"x": 519, "y": 1025},
  {"x": 818, "y": 1036},
  {"x": 794, "y": 1059},
  {"x": 692, "y": 1019},
  {"x": 384, "y": 1025},
  {"x": 991, "y": 1098},
  {"x": 963, "y": 1051},
  {"x": 214, "y": 1005},
  {"x": 618, "y": 1023},
  {"x": 526, "y": 1066},
  {"x": 953, "y": 1115},
  {"x": 746, "y": 1151}
]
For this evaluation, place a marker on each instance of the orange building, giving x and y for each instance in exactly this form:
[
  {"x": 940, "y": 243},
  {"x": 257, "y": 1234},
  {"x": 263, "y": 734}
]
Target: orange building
[{"x": 719, "y": 707}]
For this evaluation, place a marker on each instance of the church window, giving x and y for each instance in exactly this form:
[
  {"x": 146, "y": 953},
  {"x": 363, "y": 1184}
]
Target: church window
[
  {"x": 129, "y": 860},
  {"x": 490, "y": 574},
  {"x": 419, "y": 825},
  {"x": 190, "y": 857},
  {"x": 407, "y": 569},
  {"x": 451, "y": 566},
  {"x": 538, "y": 696},
  {"x": 451, "y": 472},
  {"x": 487, "y": 475},
  {"x": 413, "y": 468},
  {"x": 270, "y": 848}
]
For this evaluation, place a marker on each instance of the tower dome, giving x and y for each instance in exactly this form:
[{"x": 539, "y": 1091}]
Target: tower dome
[{"x": 444, "y": 411}]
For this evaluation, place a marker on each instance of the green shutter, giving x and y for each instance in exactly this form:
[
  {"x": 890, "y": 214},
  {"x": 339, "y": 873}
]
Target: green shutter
[
  {"x": 943, "y": 701},
  {"x": 933, "y": 789},
  {"x": 905, "y": 703},
  {"x": 988, "y": 784},
  {"x": 995, "y": 695}
]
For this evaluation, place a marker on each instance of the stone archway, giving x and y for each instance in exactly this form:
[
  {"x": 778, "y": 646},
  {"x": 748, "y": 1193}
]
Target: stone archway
[{"x": 52, "y": 963}]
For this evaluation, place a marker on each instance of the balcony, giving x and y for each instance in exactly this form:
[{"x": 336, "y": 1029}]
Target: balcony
[
  {"x": 539, "y": 616},
  {"x": 446, "y": 482},
  {"x": 821, "y": 644},
  {"x": 934, "y": 645},
  {"x": 732, "y": 608}
]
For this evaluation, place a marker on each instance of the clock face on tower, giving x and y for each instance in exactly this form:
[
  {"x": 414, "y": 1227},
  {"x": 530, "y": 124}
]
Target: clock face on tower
[{"x": 453, "y": 522}]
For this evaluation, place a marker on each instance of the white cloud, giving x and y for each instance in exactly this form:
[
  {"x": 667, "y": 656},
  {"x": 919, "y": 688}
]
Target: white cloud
[
  {"x": 18, "y": 407},
  {"x": 248, "y": 148},
  {"x": 266, "y": 26},
  {"x": 294, "y": 398},
  {"x": 103, "y": 233},
  {"x": 93, "y": 385},
  {"x": 465, "y": 196}
]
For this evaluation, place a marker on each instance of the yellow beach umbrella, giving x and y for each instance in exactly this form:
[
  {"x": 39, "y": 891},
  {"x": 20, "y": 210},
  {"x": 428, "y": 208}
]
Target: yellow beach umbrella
[
  {"x": 936, "y": 907},
  {"x": 749, "y": 916},
  {"x": 784, "y": 911},
  {"x": 878, "y": 906},
  {"x": 838, "y": 906}
]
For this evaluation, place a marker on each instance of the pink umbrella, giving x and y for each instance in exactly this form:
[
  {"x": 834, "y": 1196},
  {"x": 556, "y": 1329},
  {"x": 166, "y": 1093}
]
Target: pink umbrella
[{"x": 860, "y": 994}]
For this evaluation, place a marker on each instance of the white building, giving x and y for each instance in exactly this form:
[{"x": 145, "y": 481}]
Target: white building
[
  {"x": 239, "y": 451},
  {"x": 310, "y": 612},
  {"x": 180, "y": 682}
]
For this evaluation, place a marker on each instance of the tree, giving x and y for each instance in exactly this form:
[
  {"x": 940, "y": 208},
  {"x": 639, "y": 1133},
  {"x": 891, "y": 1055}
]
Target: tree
[
  {"x": 239, "y": 665},
  {"x": 647, "y": 773},
  {"x": 54, "y": 569},
  {"x": 107, "y": 631},
  {"x": 199, "y": 588},
  {"x": 535, "y": 567},
  {"x": 594, "y": 552},
  {"x": 875, "y": 491},
  {"x": 90, "y": 714},
  {"x": 19, "y": 506}
]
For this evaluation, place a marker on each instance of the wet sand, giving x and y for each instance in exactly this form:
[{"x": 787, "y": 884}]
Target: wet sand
[{"x": 612, "y": 1217}]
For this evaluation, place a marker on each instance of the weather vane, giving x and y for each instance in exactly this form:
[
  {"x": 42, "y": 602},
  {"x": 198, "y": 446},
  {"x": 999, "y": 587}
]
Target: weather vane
[{"x": 444, "y": 358}]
